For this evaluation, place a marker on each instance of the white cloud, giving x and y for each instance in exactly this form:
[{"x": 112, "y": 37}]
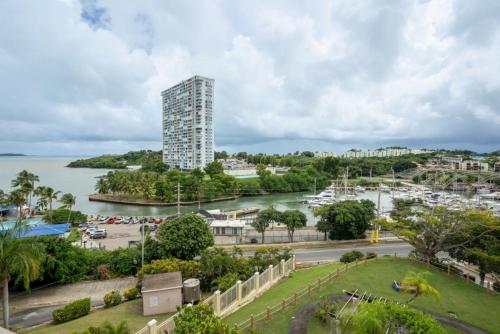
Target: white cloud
[{"x": 88, "y": 78}]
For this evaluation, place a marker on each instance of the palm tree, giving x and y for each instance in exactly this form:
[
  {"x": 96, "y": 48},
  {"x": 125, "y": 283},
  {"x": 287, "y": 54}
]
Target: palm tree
[
  {"x": 18, "y": 198},
  {"x": 417, "y": 284},
  {"x": 48, "y": 195},
  {"x": 107, "y": 328},
  {"x": 18, "y": 256},
  {"x": 68, "y": 201},
  {"x": 102, "y": 186},
  {"x": 26, "y": 181}
]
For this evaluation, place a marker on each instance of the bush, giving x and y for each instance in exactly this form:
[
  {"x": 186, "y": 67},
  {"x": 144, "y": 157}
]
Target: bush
[
  {"x": 226, "y": 282},
  {"x": 103, "y": 272},
  {"x": 371, "y": 255},
  {"x": 131, "y": 293},
  {"x": 351, "y": 256},
  {"x": 112, "y": 298},
  {"x": 73, "y": 310}
]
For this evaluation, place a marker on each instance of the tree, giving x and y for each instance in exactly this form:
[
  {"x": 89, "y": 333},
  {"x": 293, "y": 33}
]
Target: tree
[
  {"x": 417, "y": 284},
  {"x": 26, "y": 181},
  {"x": 68, "y": 201},
  {"x": 102, "y": 185},
  {"x": 214, "y": 168},
  {"x": 184, "y": 237},
  {"x": 49, "y": 196},
  {"x": 18, "y": 256},
  {"x": 293, "y": 219},
  {"x": 479, "y": 244},
  {"x": 347, "y": 219},
  {"x": 432, "y": 230},
  {"x": 200, "y": 319},
  {"x": 264, "y": 219},
  {"x": 60, "y": 216},
  {"x": 17, "y": 198}
]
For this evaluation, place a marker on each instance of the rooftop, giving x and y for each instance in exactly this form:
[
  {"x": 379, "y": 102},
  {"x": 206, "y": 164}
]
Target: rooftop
[{"x": 163, "y": 281}]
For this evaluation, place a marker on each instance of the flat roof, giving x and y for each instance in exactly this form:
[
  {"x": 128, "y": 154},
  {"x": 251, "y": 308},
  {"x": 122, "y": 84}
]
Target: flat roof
[{"x": 162, "y": 281}]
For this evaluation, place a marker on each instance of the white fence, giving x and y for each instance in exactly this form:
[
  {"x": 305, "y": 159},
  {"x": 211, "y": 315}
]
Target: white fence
[{"x": 239, "y": 294}]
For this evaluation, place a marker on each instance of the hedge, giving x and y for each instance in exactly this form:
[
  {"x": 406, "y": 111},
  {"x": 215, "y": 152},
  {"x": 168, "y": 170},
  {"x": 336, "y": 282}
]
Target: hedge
[
  {"x": 73, "y": 310},
  {"x": 112, "y": 298}
]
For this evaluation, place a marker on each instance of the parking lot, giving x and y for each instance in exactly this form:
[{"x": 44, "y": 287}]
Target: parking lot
[{"x": 117, "y": 236}]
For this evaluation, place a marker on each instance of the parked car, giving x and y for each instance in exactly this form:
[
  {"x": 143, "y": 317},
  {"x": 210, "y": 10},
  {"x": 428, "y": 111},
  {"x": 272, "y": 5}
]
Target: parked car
[
  {"x": 149, "y": 227},
  {"x": 111, "y": 220},
  {"x": 98, "y": 234}
]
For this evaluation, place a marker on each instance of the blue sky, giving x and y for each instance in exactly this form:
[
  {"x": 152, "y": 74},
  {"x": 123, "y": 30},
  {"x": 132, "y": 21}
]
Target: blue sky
[{"x": 85, "y": 77}]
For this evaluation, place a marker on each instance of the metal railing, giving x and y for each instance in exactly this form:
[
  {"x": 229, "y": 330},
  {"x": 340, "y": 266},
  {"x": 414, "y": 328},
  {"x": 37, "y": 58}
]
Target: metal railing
[{"x": 228, "y": 302}]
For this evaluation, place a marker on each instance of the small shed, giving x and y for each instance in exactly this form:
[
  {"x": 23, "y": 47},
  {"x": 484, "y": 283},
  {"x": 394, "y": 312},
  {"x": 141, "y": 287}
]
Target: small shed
[{"x": 161, "y": 293}]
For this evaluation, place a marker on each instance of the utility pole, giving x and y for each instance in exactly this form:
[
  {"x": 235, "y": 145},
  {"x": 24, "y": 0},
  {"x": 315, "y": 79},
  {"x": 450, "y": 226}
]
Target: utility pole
[
  {"x": 314, "y": 186},
  {"x": 178, "y": 199},
  {"x": 142, "y": 242}
]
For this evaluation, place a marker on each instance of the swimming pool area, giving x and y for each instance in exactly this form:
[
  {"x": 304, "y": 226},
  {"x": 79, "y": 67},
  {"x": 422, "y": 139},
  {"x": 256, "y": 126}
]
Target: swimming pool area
[{"x": 31, "y": 222}]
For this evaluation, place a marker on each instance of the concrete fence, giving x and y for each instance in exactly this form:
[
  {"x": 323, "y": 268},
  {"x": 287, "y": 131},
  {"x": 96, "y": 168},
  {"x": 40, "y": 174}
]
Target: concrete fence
[{"x": 230, "y": 300}]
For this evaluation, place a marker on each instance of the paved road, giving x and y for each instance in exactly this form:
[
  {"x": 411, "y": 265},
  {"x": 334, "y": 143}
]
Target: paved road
[{"x": 334, "y": 254}]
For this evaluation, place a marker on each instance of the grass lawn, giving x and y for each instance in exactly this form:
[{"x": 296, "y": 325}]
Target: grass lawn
[
  {"x": 129, "y": 311},
  {"x": 470, "y": 303}
]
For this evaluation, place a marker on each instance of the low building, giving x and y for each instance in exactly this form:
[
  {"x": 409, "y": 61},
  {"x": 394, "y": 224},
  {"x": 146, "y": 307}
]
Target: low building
[
  {"x": 496, "y": 166},
  {"x": 161, "y": 293},
  {"x": 472, "y": 165},
  {"x": 229, "y": 231},
  {"x": 319, "y": 154}
]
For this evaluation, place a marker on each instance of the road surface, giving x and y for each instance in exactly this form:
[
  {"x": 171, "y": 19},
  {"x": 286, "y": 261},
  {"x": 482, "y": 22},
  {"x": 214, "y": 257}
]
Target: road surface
[{"x": 334, "y": 254}]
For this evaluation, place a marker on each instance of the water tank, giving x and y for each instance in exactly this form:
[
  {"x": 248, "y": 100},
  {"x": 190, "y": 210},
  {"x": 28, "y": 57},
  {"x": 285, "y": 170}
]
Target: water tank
[{"x": 191, "y": 290}]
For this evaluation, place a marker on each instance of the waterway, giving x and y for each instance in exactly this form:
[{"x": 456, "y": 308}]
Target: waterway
[{"x": 81, "y": 182}]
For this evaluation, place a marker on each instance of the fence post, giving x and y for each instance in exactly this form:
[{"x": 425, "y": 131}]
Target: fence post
[
  {"x": 270, "y": 274},
  {"x": 330, "y": 276},
  {"x": 283, "y": 306},
  {"x": 309, "y": 290},
  {"x": 239, "y": 291},
  {"x": 293, "y": 262},
  {"x": 282, "y": 267},
  {"x": 268, "y": 313},
  {"x": 488, "y": 288},
  {"x": 338, "y": 272},
  {"x": 153, "y": 326},
  {"x": 467, "y": 278},
  {"x": 257, "y": 282},
  {"x": 295, "y": 298},
  {"x": 217, "y": 302},
  {"x": 449, "y": 269},
  {"x": 319, "y": 283},
  {"x": 252, "y": 322},
  {"x": 357, "y": 261}
]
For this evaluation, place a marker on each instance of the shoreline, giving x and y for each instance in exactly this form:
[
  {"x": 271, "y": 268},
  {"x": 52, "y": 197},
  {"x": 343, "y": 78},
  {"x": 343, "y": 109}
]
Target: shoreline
[{"x": 143, "y": 202}]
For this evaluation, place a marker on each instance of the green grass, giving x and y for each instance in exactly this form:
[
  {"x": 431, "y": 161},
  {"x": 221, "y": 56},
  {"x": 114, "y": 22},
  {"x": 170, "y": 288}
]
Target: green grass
[
  {"x": 128, "y": 311},
  {"x": 470, "y": 303}
]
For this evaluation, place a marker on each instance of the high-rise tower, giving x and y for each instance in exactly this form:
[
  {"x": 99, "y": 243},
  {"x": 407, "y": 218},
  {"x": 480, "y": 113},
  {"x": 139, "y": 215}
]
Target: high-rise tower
[{"x": 188, "y": 137}]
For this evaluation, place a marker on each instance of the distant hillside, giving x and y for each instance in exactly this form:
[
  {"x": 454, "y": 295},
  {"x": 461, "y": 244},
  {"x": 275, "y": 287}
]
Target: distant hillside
[
  {"x": 149, "y": 160},
  {"x": 12, "y": 155}
]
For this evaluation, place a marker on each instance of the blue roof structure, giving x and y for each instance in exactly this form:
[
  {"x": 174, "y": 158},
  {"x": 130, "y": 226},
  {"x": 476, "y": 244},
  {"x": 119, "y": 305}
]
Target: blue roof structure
[{"x": 43, "y": 230}]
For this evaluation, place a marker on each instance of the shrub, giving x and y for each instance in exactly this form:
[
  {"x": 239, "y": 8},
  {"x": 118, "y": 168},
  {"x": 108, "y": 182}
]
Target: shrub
[
  {"x": 371, "y": 255},
  {"x": 106, "y": 328},
  {"x": 226, "y": 282},
  {"x": 131, "y": 293},
  {"x": 73, "y": 310},
  {"x": 187, "y": 268},
  {"x": 351, "y": 256},
  {"x": 103, "y": 272},
  {"x": 112, "y": 298}
]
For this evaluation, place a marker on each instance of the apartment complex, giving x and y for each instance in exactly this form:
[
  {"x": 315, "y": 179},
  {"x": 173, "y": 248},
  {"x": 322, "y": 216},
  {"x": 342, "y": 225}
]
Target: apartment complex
[
  {"x": 188, "y": 137},
  {"x": 383, "y": 152}
]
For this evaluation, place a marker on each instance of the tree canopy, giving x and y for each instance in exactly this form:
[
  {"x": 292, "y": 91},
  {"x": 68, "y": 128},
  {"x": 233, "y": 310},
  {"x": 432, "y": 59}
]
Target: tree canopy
[
  {"x": 346, "y": 219},
  {"x": 184, "y": 237}
]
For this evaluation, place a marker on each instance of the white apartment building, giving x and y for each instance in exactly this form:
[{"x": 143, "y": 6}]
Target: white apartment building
[
  {"x": 188, "y": 136},
  {"x": 383, "y": 152}
]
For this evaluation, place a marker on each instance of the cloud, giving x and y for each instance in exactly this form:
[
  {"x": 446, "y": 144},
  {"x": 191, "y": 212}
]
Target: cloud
[{"x": 86, "y": 77}]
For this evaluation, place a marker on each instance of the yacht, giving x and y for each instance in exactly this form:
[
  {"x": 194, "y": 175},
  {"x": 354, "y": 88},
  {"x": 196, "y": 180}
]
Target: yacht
[
  {"x": 359, "y": 189},
  {"x": 385, "y": 189}
]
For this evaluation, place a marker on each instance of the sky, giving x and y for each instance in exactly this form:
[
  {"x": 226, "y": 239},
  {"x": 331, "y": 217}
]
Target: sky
[{"x": 85, "y": 77}]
